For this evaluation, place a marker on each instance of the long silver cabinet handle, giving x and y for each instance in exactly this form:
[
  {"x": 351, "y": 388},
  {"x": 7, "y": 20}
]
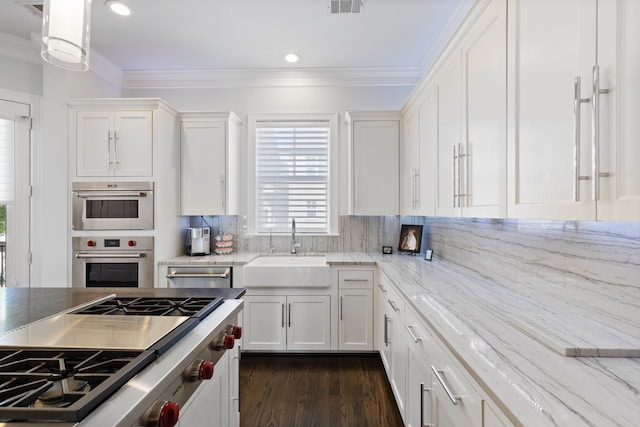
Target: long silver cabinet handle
[
  {"x": 114, "y": 194},
  {"x": 595, "y": 134},
  {"x": 577, "y": 102},
  {"x": 115, "y": 149},
  {"x": 460, "y": 193},
  {"x": 283, "y": 315},
  {"x": 359, "y": 280},
  {"x": 109, "y": 255},
  {"x": 422, "y": 390},
  {"x": 393, "y": 305},
  {"x": 386, "y": 330},
  {"x": 382, "y": 288},
  {"x": 412, "y": 334},
  {"x": 289, "y": 314},
  {"x": 454, "y": 174},
  {"x": 109, "y": 150},
  {"x": 341, "y": 305},
  {"x": 197, "y": 276},
  {"x": 453, "y": 397}
]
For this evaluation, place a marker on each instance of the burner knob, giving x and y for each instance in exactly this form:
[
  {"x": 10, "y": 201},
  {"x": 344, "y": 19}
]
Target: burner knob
[
  {"x": 132, "y": 243},
  {"x": 228, "y": 342},
  {"x": 169, "y": 414},
  {"x": 201, "y": 370},
  {"x": 162, "y": 414},
  {"x": 236, "y": 331},
  {"x": 91, "y": 243}
]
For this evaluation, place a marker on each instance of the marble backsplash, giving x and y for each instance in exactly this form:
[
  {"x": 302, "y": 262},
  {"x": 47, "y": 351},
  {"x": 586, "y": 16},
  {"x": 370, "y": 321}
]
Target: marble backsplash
[{"x": 591, "y": 264}]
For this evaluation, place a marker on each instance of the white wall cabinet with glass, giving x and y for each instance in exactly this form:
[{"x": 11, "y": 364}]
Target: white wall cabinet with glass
[
  {"x": 573, "y": 149},
  {"x": 287, "y": 322},
  {"x": 374, "y": 154},
  {"x": 112, "y": 142},
  {"x": 355, "y": 311},
  {"x": 209, "y": 164},
  {"x": 470, "y": 117}
]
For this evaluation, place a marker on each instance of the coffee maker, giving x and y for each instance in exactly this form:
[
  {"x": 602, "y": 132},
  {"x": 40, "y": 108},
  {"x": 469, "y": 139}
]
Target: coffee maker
[{"x": 198, "y": 241}]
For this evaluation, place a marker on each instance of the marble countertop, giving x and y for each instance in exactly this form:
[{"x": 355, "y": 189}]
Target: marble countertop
[{"x": 533, "y": 384}]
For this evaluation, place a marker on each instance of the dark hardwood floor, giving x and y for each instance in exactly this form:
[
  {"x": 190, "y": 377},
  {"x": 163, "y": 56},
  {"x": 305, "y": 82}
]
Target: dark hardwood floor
[{"x": 315, "y": 390}]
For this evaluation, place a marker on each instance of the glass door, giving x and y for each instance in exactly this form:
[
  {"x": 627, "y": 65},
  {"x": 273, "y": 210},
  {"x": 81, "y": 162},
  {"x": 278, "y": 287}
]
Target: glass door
[{"x": 15, "y": 194}]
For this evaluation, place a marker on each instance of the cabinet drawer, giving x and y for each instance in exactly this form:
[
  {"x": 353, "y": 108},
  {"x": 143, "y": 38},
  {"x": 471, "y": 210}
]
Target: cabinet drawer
[
  {"x": 419, "y": 337},
  {"x": 355, "y": 279},
  {"x": 393, "y": 300}
]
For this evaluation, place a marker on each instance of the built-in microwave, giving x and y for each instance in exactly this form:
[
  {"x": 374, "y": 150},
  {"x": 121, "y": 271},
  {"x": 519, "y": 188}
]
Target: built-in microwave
[{"x": 112, "y": 205}]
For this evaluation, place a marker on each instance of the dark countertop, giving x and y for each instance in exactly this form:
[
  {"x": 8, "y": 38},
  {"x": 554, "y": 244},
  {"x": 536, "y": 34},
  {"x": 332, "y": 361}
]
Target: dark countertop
[{"x": 20, "y": 306}]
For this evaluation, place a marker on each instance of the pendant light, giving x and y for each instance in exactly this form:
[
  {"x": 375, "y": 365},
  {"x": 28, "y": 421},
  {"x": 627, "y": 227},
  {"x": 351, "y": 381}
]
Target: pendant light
[{"x": 65, "y": 33}]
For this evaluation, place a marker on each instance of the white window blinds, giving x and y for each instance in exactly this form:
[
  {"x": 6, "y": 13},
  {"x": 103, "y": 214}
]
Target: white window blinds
[
  {"x": 6, "y": 161},
  {"x": 292, "y": 176}
]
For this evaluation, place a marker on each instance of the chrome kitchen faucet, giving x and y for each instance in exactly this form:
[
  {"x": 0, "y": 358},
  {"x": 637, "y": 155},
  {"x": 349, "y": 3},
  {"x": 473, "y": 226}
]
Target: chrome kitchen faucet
[{"x": 294, "y": 245}]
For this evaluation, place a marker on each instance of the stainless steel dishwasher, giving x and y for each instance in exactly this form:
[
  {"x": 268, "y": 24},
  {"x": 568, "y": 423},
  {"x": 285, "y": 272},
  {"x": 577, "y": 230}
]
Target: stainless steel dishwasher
[{"x": 199, "y": 276}]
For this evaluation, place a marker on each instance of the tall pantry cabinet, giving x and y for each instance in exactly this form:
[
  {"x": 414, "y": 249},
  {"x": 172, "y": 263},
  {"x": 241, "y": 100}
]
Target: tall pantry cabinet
[{"x": 573, "y": 103}]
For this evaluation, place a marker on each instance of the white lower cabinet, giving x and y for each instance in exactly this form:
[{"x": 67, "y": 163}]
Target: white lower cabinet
[
  {"x": 392, "y": 347},
  {"x": 293, "y": 322},
  {"x": 355, "y": 309},
  {"x": 420, "y": 345}
]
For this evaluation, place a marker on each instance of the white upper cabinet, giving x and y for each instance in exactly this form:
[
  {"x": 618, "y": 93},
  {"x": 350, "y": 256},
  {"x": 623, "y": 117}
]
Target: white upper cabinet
[
  {"x": 417, "y": 158},
  {"x": 552, "y": 54},
  {"x": 375, "y": 161},
  {"x": 619, "y": 155},
  {"x": 113, "y": 143},
  {"x": 574, "y": 99},
  {"x": 209, "y": 164},
  {"x": 471, "y": 121}
]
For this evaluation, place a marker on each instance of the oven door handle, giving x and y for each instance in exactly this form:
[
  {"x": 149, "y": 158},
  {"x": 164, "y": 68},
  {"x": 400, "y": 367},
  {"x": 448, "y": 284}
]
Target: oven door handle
[
  {"x": 93, "y": 195},
  {"x": 110, "y": 255},
  {"x": 224, "y": 275}
]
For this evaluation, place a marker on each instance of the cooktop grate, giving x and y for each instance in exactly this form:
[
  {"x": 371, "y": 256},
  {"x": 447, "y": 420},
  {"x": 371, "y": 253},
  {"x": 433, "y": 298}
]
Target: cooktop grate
[
  {"x": 62, "y": 385},
  {"x": 195, "y": 307}
]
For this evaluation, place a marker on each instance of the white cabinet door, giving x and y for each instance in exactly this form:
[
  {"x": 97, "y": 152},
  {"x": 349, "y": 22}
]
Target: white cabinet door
[
  {"x": 203, "y": 150},
  {"x": 114, "y": 143},
  {"x": 355, "y": 326},
  {"x": 410, "y": 165},
  {"x": 209, "y": 164},
  {"x": 308, "y": 322},
  {"x": 449, "y": 138},
  {"x": 133, "y": 143},
  {"x": 382, "y": 326},
  {"x": 264, "y": 322},
  {"x": 483, "y": 171},
  {"x": 398, "y": 360},
  {"x": 94, "y": 136},
  {"x": 547, "y": 51},
  {"x": 618, "y": 58},
  {"x": 375, "y": 166},
  {"x": 428, "y": 134},
  {"x": 418, "y": 411}
]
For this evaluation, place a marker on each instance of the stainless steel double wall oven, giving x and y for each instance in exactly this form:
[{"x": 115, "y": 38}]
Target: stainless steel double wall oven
[{"x": 115, "y": 256}]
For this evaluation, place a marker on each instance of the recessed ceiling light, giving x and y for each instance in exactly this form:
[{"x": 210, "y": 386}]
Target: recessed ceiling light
[
  {"x": 292, "y": 57},
  {"x": 118, "y": 7}
]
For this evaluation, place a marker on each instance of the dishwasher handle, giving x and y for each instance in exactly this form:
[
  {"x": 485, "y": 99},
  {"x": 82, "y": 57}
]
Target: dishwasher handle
[{"x": 224, "y": 275}]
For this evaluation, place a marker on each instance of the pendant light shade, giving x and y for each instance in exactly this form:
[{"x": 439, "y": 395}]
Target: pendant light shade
[{"x": 65, "y": 33}]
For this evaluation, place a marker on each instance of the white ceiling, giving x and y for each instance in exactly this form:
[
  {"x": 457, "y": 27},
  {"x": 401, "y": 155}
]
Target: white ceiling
[{"x": 255, "y": 34}]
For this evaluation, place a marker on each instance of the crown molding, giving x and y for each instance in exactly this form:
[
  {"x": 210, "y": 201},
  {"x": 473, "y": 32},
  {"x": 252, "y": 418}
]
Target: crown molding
[{"x": 299, "y": 77}]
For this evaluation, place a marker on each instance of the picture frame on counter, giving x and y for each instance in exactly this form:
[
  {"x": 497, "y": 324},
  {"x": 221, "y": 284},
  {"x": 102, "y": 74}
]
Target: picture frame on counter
[
  {"x": 428, "y": 254},
  {"x": 410, "y": 239},
  {"x": 387, "y": 250}
]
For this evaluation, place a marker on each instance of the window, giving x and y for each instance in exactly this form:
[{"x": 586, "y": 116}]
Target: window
[{"x": 293, "y": 173}]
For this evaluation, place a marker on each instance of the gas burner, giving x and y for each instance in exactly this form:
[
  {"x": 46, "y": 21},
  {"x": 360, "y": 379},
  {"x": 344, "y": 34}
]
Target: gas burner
[
  {"x": 154, "y": 306},
  {"x": 45, "y": 384}
]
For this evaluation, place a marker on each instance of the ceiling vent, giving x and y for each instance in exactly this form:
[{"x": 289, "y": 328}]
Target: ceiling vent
[
  {"x": 34, "y": 6},
  {"x": 345, "y": 6}
]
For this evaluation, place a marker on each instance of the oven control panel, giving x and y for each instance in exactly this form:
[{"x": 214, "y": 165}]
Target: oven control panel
[{"x": 95, "y": 243}]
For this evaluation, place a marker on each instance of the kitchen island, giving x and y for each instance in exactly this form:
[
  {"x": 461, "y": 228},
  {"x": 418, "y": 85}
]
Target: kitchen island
[{"x": 531, "y": 383}]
